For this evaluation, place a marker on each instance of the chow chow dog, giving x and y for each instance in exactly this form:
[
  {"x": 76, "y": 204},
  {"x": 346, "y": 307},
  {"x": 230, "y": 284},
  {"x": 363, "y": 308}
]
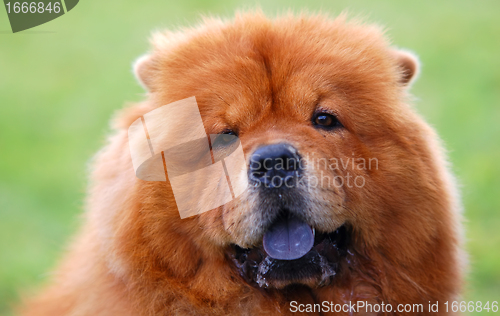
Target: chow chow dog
[{"x": 363, "y": 217}]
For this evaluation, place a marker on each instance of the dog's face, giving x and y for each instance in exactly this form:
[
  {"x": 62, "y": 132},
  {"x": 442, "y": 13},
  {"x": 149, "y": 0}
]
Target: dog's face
[{"x": 317, "y": 107}]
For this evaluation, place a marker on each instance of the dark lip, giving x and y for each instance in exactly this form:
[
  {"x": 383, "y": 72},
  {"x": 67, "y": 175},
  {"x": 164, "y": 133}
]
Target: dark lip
[{"x": 320, "y": 264}]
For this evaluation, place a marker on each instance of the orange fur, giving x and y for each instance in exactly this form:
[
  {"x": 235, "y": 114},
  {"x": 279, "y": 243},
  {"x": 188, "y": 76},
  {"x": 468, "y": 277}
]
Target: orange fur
[{"x": 263, "y": 78}]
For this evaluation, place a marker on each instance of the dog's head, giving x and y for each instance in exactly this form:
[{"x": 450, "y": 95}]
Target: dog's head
[{"x": 335, "y": 160}]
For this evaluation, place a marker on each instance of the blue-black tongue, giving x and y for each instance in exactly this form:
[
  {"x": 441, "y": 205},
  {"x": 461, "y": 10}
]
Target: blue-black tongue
[{"x": 288, "y": 239}]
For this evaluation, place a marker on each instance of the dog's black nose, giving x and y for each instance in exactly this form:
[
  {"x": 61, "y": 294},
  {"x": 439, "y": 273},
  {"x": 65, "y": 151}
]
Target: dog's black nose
[{"x": 275, "y": 166}]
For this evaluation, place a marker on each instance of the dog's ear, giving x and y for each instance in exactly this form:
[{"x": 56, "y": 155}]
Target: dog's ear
[
  {"x": 143, "y": 70},
  {"x": 409, "y": 66}
]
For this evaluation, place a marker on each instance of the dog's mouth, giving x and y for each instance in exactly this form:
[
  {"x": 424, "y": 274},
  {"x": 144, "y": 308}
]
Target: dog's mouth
[{"x": 292, "y": 252}]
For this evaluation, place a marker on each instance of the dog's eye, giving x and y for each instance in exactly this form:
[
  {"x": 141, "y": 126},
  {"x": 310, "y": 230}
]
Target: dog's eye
[
  {"x": 225, "y": 138},
  {"x": 326, "y": 120}
]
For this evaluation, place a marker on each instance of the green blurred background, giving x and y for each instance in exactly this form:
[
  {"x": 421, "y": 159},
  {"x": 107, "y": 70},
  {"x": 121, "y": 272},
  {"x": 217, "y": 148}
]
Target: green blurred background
[{"x": 62, "y": 81}]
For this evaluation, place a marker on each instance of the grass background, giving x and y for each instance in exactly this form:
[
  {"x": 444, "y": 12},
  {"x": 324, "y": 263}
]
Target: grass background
[{"x": 61, "y": 82}]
